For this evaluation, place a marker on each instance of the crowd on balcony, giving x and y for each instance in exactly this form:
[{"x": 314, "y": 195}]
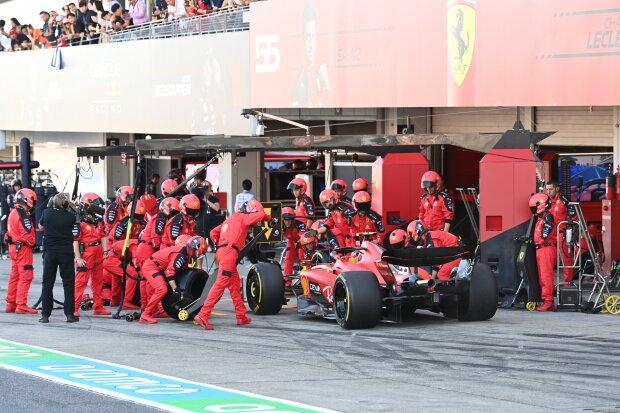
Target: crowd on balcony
[{"x": 90, "y": 21}]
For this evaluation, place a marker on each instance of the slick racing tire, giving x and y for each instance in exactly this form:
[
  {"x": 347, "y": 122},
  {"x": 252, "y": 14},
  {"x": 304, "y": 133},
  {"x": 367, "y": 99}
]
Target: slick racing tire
[
  {"x": 479, "y": 301},
  {"x": 265, "y": 289},
  {"x": 357, "y": 300},
  {"x": 191, "y": 280}
]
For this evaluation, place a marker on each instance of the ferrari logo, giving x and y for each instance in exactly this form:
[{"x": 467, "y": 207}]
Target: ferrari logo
[{"x": 461, "y": 25}]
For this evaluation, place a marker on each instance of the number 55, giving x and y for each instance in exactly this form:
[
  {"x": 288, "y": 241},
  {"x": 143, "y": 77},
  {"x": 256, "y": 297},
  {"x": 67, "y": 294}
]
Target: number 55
[{"x": 267, "y": 54}]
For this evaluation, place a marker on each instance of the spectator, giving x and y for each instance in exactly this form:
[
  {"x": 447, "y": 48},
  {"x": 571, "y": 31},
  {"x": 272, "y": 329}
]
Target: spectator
[
  {"x": 215, "y": 4},
  {"x": 5, "y": 40},
  {"x": 107, "y": 6},
  {"x": 78, "y": 29},
  {"x": 176, "y": 9},
  {"x": 23, "y": 39},
  {"x": 160, "y": 11},
  {"x": 153, "y": 186},
  {"x": 116, "y": 19},
  {"x": 137, "y": 11},
  {"x": 244, "y": 196},
  {"x": 47, "y": 29},
  {"x": 72, "y": 8},
  {"x": 126, "y": 19}
]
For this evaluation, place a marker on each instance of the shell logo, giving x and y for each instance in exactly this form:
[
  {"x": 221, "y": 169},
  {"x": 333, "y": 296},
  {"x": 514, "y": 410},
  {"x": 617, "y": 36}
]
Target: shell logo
[
  {"x": 196, "y": 204},
  {"x": 393, "y": 236},
  {"x": 364, "y": 199},
  {"x": 224, "y": 227}
]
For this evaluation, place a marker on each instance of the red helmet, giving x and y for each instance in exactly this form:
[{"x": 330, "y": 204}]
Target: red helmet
[
  {"x": 26, "y": 197},
  {"x": 340, "y": 184},
  {"x": 169, "y": 206},
  {"x": 317, "y": 224},
  {"x": 362, "y": 200},
  {"x": 288, "y": 213},
  {"x": 197, "y": 244},
  {"x": 398, "y": 238},
  {"x": 430, "y": 178},
  {"x": 252, "y": 206},
  {"x": 540, "y": 203},
  {"x": 326, "y": 195},
  {"x": 190, "y": 205},
  {"x": 125, "y": 194},
  {"x": 308, "y": 239},
  {"x": 168, "y": 186},
  {"x": 360, "y": 184},
  {"x": 298, "y": 183},
  {"x": 416, "y": 229},
  {"x": 140, "y": 208},
  {"x": 182, "y": 239},
  {"x": 91, "y": 198}
]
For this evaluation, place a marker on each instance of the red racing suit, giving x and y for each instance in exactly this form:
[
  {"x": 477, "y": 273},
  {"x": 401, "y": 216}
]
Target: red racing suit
[
  {"x": 438, "y": 239},
  {"x": 88, "y": 233},
  {"x": 113, "y": 270},
  {"x": 304, "y": 207},
  {"x": 150, "y": 239},
  {"x": 150, "y": 204},
  {"x": 545, "y": 239},
  {"x": 562, "y": 211},
  {"x": 113, "y": 213},
  {"x": 371, "y": 222},
  {"x": 436, "y": 210},
  {"x": 20, "y": 237},
  {"x": 120, "y": 230},
  {"x": 230, "y": 237},
  {"x": 292, "y": 251},
  {"x": 179, "y": 224},
  {"x": 340, "y": 218},
  {"x": 159, "y": 270}
]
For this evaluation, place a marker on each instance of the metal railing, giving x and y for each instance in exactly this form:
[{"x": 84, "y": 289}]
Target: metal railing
[{"x": 233, "y": 20}]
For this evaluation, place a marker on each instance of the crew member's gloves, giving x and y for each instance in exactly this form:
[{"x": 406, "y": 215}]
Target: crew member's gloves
[
  {"x": 179, "y": 290},
  {"x": 273, "y": 223}
]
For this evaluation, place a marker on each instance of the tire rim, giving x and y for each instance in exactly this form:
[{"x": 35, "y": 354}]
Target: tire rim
[
  {"x": 253, "y": 289},
  {"x": 340, "y": 302}
]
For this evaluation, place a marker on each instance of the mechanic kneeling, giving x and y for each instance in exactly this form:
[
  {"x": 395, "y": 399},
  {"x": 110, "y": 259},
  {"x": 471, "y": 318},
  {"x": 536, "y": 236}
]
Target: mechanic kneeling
[
  {"x": 161, "y": 269},
  {"x": 420, "y": 235}
]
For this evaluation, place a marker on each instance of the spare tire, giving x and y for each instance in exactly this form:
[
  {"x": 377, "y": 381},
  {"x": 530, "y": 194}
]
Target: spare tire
[
  {"x": 265, "y": 288},
  {"x": 479, "y": 301},
  {"x": 357, "y": 300},
  {"x": 193, "y": 281}
]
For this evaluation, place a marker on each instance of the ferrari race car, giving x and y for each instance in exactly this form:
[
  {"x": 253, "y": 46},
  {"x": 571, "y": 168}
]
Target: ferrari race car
[{"x": 362, "y": 287}]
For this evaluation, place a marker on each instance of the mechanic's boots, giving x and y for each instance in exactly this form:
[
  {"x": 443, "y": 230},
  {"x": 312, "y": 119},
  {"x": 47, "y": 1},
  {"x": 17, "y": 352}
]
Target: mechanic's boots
[
  {"x": 545, "y": 307},
  {"x": 10, "y": 307},
  {"x": 100, "y": 311},
  {"x": 202, "y": 322},
  {"x": 147, "y": 319},
  {"x": 130, "y": 306},
  {"x": 243, "y": 321},
  {"x": 24, "y": 309},
  {"x": 76, "y": 314}
]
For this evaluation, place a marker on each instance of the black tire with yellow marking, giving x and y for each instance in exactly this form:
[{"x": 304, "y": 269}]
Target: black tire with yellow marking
[
  {"x": 265, "y": 289},
  {"x": 357, "y": 300},
  {"x": 193, "y": 281},
  {"x": 479, "y": 301}
]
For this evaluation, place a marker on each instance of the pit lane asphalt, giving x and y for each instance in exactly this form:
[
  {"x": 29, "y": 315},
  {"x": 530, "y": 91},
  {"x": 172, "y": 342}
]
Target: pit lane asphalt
[{"x": 518, "y": 361}]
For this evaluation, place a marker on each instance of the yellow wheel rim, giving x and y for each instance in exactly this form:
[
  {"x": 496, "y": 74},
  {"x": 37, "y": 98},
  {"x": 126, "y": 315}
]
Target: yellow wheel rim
[
  {"x": 530, "y": 306},
  {"x": 183, "y": 315},
  {"x": 612, "y": 304},
  {"x": 604, "y": 309}
]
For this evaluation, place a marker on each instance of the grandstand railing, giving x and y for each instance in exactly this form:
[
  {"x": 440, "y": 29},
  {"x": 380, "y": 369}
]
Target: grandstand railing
[{"x": 233, "y": 20}]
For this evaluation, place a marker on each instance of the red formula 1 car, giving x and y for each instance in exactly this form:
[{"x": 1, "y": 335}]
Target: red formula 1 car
[{"x": 362, "y": 287}]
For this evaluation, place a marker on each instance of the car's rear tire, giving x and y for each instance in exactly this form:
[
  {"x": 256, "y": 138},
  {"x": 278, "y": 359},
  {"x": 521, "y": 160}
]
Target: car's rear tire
[
  {"x": 265, "y": 289},
  {"x": 479, "y": 301},
  {"x": 357, "y": 300},
  {"x": 193, "y": 281}
]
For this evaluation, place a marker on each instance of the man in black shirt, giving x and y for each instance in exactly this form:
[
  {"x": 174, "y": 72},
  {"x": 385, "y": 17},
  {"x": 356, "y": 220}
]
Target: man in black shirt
[
  {"x": 57, "y": 224},
  {"x": 210, "y": 211}
]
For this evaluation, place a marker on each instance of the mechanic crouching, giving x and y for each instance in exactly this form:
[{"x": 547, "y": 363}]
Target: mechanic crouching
[
  {"x": 420, "y": 235},
  {"x": 230, "y": 237},
  {"x": 545, "y": 240},
  {"x": 161, "y": 269}
]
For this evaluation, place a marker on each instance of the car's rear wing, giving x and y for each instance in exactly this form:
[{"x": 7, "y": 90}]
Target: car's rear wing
[{"x": 418, "y": 257}]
